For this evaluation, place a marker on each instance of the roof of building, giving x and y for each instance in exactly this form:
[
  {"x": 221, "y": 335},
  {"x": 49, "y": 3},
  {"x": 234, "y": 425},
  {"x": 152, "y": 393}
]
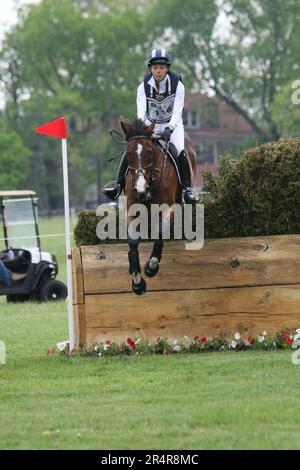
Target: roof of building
[{"x": 216, "y": 116}]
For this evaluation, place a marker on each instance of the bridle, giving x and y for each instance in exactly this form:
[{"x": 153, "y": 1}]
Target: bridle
[{"x": 141, "y": 171}]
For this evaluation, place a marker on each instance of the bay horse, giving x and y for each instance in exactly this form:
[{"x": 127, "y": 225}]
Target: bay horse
[{"x": 151, "y": 179}]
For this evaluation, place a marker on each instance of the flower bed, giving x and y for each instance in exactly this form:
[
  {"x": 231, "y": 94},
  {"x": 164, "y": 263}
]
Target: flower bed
[{"x": 288, "y": 339}]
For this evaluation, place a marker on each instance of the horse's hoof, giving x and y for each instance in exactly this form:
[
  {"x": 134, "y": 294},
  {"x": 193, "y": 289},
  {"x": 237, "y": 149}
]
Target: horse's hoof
[
  {"x": 151, "y": 272},
  {"x": 140, "y": 288}
]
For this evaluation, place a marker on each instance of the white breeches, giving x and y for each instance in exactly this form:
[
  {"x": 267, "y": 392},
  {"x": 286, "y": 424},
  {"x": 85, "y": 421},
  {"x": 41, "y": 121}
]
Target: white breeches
[{"x": 177, "y": 137}]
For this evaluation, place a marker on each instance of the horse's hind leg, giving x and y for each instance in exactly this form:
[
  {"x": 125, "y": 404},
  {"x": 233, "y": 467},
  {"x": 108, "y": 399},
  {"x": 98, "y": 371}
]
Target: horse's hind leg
[
  {"x": 138, "y": 283},
  {"x": 152, "y": 266}
]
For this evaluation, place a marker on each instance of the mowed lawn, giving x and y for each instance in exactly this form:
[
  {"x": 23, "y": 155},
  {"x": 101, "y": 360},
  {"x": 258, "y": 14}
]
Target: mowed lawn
[{"x": 245, "y": 400}]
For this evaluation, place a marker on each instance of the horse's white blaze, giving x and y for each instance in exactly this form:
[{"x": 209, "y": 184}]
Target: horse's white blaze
[{"x": 141, "y": 181}]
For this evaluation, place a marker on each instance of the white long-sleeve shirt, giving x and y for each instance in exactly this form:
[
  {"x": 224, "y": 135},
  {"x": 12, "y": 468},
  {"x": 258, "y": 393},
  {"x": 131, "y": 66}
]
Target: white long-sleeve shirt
[{"x": 141, "y": 102}]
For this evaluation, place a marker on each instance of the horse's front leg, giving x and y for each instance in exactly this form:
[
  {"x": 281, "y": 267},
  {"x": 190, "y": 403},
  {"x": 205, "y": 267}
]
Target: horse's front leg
[
  {"x": 138, "y": 283},
  {"x": 151, "y": 267}
]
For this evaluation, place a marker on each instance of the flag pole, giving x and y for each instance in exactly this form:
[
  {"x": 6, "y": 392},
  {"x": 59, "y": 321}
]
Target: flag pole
[
  {"x": 68, "y": 242},
  {"x": 58, "y": 129}
]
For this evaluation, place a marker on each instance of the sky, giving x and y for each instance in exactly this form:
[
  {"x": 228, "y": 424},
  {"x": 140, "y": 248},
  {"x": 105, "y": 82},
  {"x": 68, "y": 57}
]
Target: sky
[{"x": 8, "y": 13}]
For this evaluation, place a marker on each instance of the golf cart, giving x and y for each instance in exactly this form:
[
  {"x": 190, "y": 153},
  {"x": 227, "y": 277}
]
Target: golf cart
[{"x": 22, "y": 253}]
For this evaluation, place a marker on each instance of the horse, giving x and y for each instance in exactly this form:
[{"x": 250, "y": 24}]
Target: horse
[{"x": 151, "y": 179}]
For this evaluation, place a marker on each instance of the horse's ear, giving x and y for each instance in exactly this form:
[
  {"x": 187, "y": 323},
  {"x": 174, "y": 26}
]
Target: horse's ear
[
  {"x": 150, "y": 129},
  {"x": 125, "y": 126}
]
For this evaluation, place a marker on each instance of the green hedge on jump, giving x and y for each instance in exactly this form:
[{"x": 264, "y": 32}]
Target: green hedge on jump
[{"x": 257, "y": 194}]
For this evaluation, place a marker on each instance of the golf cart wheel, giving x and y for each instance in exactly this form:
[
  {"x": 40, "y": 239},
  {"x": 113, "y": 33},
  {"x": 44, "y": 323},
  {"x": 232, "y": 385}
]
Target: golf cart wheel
[{"x": 53, "y": 291}]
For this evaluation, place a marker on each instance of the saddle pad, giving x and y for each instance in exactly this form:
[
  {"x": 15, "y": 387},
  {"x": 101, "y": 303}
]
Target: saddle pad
[{"x": 172, "y": 155}]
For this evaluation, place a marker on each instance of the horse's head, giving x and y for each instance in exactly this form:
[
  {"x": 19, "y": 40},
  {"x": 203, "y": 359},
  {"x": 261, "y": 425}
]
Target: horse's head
[{"x": 140, "y": 156}]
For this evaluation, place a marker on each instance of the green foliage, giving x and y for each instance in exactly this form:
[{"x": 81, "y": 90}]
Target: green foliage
[
  {"x": 257, "y": 194},
  {"x": 14, "y": 157},
  {"x": 285, "y": 339},
  {"x": 85, "y": 230},
  {"x": 286, "y": 109}
]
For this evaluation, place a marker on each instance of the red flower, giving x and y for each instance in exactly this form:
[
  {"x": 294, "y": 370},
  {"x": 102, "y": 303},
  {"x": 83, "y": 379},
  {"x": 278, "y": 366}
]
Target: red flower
[
  {"x": 251, "y": 340},
  {"x": 289, "y": 341},
  {"x": 196, "y": 337},
  {"x": 51, "y": 351},
  {"x": 107, "y": 342},
  {"x": 203, "y": 339},
  {"x": 285, "y": 335},
  {"x": 131, "y": 343}
]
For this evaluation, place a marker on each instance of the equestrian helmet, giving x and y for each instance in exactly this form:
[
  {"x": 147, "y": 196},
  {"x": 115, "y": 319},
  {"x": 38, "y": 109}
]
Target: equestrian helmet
[{"x": 159, "y": 56}]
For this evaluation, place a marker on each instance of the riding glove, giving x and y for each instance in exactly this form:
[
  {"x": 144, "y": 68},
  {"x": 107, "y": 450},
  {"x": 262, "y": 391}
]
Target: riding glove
[{"x": 166, "y": 135}]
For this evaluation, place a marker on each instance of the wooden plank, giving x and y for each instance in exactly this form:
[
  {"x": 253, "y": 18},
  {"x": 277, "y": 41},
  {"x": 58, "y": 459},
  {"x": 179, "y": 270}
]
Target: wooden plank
[
  {"x": 247, "y": 261},
  {"x": 205, "y": 312},
  {"x": 79, "y": 325},
  {"x": 78, "y": 295}
]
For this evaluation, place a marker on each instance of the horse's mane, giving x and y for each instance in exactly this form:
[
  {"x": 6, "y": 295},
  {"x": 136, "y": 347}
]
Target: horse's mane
[{"x": 137, "y": 128}]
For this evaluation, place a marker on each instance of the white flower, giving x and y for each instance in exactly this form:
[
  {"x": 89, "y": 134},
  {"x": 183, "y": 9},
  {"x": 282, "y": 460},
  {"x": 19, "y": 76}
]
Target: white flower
[
  {"x": 100, "y": 354},
  {"x": 261, "y": 339},
  {"x": 175, "y": 341},
  {"x": 298, "y": 331},
  {"x": 264, "y": 333},
  {"x": 176, "y": 348},
  {"x": 296, "y": 337},
  {"x": 138, "y": 341},
  {"x": 233, "y": 344},
  {"x": 105, "y": 346},
  {"x": 237, "y": 336},
  {"x": 62, "y": 346},
  {"x": 96, "y": 348}
]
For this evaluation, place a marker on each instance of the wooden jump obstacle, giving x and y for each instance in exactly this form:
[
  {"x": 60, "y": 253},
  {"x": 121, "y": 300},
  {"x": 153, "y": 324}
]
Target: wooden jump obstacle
[{"x": 246, "y": 284}]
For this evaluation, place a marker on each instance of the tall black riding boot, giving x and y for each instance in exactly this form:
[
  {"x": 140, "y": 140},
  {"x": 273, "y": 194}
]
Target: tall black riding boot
[
  {"x": 188, "y": 195},
  {"x": 114, "y": 188}
]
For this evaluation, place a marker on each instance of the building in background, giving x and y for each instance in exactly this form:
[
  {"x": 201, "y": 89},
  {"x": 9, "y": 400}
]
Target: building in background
[{"x": 215, "y": 129}]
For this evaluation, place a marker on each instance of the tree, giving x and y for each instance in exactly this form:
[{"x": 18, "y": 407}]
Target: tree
[
  {"x": 71, "y": 58},
  {"x": 246, "y": 65},
  {"x": 13, "y": 157},
  {"x": 286, "y": 109}
]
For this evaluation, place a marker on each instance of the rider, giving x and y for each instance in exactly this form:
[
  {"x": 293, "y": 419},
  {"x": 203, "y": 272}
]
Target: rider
[{"x": 160, "y": 99}]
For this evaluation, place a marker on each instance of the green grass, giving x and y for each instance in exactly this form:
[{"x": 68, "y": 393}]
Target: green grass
[{"x": 245, "y": 400}]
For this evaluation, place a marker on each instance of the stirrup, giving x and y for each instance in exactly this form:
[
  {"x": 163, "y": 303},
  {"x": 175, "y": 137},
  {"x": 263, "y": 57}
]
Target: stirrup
[
  {"x": 112, "y": 190},
  {"x": 189, "y": 196}
]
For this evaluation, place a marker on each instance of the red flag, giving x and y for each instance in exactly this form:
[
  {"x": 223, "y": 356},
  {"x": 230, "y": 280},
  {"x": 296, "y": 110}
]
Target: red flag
[{"x": 55, "y": 128}]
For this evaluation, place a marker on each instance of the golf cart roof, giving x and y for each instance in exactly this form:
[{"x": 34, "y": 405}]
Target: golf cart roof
[{"x": 16, "y": 193}]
